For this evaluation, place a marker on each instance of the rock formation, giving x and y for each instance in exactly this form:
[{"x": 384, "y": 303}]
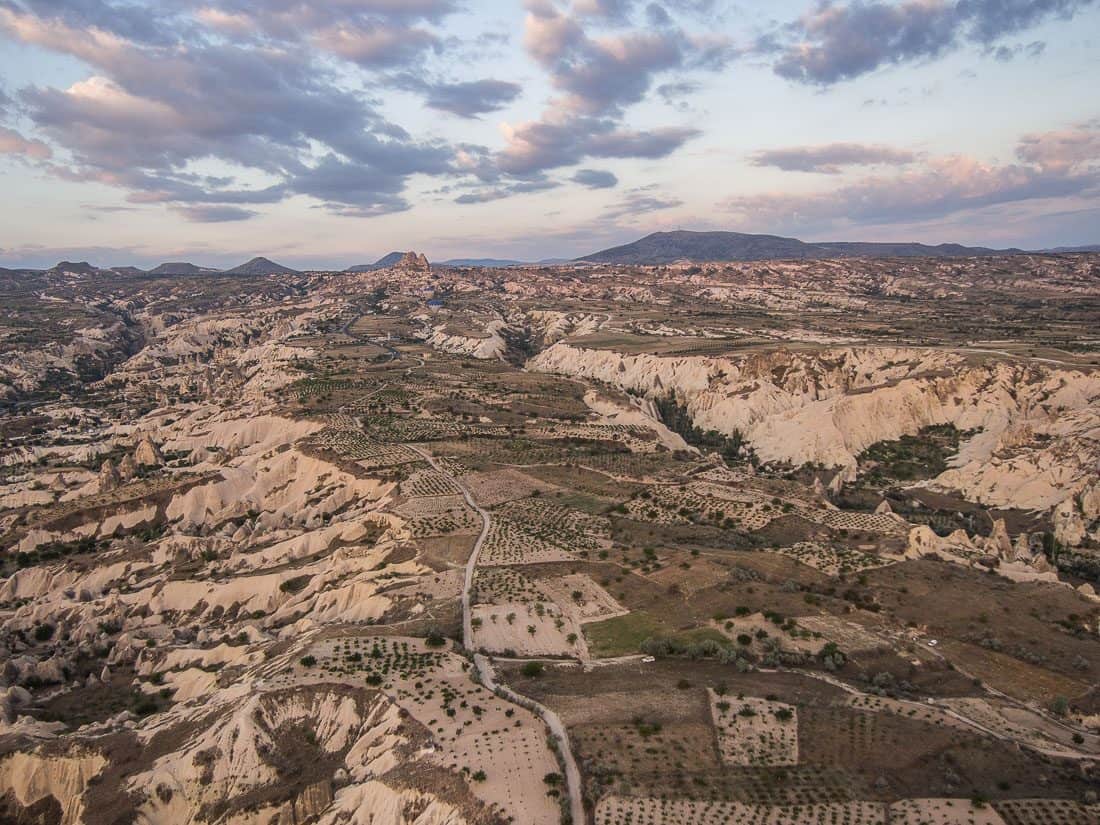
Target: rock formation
[
  {"x": 127, "y": 468},
  {"x": 109, "y": 477},
  {"x": 412, "y": 262},
  {"x": 1030, "y": 446},
  {"x": 147, "y": 454}
]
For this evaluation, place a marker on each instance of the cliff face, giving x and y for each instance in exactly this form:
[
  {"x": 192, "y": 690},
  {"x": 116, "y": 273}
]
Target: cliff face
[
  {"x": 414, "y": 262},
  {"x": 1036, "y": 440}
]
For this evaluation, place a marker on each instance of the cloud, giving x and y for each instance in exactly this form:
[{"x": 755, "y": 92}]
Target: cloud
[
  {"x": 1004, "y": 54},
  {"x": 1062, "y": 150},
  {"x": 539, "y": 145},
  {"x": 375, "y": 45},
  {"x": 652, "y": 143},
  {"x": 638, "y": 202},
  {"x": 836, "y": 42},
  {"x": 361, "y": 189},
  {"x": 596, "y": 78},
  {"x": 13, "y": 143},
  {"x": 610, "y": 9},
  {"x": 1054, "y": 165},
  {"x": 831, "y": 158},
  {"x": 675, "y": 93},
  {"x": 289, "y": 20},
  {"x": 595, "y": 179},
  {"x": 507, "y": 191},
  {"x": 467, "y": 99},
  {"x": 166, "y": 92},
  {"x": 988, "y": 20},
  {"x": 214, "y": 214},
  {"x": 278, "y": 96}
]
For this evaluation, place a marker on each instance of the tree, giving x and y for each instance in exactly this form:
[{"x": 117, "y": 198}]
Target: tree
[
  {"x": 532, "y": 669},
  {"x": 43, "y": 632}
]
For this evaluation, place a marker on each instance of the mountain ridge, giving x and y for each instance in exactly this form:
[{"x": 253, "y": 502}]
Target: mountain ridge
[{"x": 698, "y": 247}]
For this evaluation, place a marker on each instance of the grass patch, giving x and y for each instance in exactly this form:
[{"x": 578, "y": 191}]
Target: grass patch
[
  {"x": 622, "y": 635},
  {"x": 702, "y": 634},
  {"x": 580, "y": 501}
]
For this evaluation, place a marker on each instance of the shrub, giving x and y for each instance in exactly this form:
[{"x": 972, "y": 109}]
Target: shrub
[
  {"x": 308, "y": 661},
  {"x": 532, "y": 669}
]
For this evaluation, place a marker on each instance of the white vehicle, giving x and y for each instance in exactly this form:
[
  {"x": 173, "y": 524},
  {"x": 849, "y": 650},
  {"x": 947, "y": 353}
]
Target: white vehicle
[
  {"x": 648, "y": 660},
  {"x": 933, "y": 642}
]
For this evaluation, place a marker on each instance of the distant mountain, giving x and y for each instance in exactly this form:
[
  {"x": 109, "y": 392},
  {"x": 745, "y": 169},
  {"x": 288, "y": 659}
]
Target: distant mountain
[
  {"x": 385, "y": 262},
  {"x": 482, "y": 262},
  {"x": 77, "y": 268},
  {"x": 181, "y": 268},
  {"x": 128, "y": 271},
  {"x": 1064, "y": 249},
  {"x": 668, "y": 247},
  {"x": 261, "y": 266}
]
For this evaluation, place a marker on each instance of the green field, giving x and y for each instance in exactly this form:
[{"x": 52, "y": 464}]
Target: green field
[{"x": 622, "y": 635}]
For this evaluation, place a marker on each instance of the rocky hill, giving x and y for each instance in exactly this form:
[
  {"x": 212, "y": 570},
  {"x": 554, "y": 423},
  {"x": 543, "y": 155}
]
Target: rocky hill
[
  {"x": 399, "y": 260},
  {"x": 76, "y": 268},
  {"x": 180, "y": 268},
  {"x": 260, "y": 266},
  {"x": 669, "y": 247}
]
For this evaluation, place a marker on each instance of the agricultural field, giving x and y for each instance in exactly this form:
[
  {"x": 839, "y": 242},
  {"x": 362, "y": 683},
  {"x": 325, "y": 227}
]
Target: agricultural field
[{"x": 754, "y": 731}]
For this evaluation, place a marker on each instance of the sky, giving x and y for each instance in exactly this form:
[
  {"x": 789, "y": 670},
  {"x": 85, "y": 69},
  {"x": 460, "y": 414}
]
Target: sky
[{"x": 327, "y": 133}]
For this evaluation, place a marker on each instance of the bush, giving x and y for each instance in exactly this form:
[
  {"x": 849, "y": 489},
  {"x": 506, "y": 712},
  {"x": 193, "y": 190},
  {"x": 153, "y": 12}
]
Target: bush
[
  {"x": 308, "y": 661},
  {"x": 532, "y": 669},
  {"x": 43, "y": 632},
  {"x": 435, "y": 639}
]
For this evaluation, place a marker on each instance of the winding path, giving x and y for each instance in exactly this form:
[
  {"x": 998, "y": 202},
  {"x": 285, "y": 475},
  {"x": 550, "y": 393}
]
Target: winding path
[{"x": 484, "y": 666}]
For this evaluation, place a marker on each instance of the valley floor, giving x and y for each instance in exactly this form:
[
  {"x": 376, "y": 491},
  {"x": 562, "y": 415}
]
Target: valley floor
[{"x": 320, "y": 553}]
